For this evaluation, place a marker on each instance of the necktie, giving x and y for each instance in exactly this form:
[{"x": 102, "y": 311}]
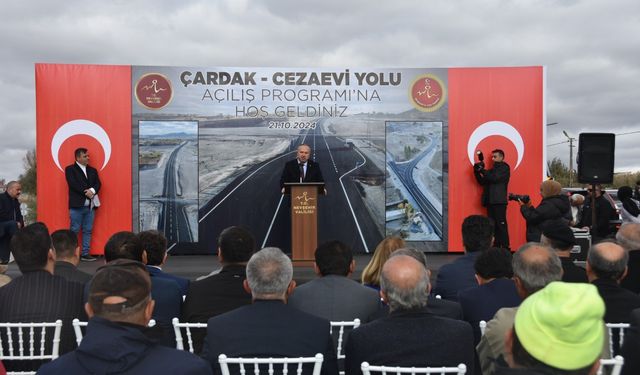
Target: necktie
[{"x": 301, "y": 171}]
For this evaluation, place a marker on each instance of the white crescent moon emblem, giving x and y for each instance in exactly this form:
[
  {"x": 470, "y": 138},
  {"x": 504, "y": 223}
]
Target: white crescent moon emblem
[
  {"x": 76, "y": 127},
  {"x": 495, "y": 128}
]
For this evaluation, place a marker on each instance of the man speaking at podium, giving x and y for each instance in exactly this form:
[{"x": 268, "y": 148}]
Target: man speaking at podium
[{"x": 301, "y": 169}]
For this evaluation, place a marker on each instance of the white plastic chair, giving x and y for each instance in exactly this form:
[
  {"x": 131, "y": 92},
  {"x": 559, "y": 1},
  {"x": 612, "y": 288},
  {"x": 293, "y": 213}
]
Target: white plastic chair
[
  {"x": 78, "y": 325},
  {"x": 483, "y": 327},
  {"x": 187, "y": 327},
  {"x": 254, "y": 364},
  {"x": 618, "y": 328},
  {"x": 353, "y": 324},
  {"x": 367, "y": 369},
  {"x": 28, "y": 349},
  {"x": 615, "y": 363}
]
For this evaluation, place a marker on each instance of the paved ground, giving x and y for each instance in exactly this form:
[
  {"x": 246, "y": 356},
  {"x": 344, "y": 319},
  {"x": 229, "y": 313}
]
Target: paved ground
[{"x": 192, "y": 266}]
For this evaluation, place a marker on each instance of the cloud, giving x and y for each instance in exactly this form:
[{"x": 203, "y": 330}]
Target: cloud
[{"x": 589, "y": 48}]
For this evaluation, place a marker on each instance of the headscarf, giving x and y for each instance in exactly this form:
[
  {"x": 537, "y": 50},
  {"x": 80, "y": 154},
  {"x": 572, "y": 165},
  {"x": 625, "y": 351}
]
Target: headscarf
[{"x": 550, "y": 188}]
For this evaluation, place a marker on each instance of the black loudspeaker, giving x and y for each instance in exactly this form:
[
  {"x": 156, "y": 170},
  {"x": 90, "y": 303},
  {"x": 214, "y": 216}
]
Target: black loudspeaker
[{"x": 596, "y": 157}]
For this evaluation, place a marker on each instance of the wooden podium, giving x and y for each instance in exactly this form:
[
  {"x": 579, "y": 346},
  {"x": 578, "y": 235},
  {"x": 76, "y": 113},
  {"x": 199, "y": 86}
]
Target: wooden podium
[{"x": 304, "y": 220}]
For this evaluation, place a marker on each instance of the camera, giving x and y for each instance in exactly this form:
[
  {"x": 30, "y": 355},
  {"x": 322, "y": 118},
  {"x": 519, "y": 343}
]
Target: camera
[
  {"x": 479, "y": 166},
  {"x": 517, "y": 197},
  {"x": 480, "y": 155}
]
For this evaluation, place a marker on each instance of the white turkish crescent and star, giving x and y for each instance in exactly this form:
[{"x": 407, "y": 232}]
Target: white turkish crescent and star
[
  {"x": 76, "y": 127},
  {"x": 495, "y": 128}
]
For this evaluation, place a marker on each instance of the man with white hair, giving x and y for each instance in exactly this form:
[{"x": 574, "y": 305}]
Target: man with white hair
[
  {"x": 269, "y": 327},
  {"x": 409, "y": 336},
  {"x": 628, "y": 237}
]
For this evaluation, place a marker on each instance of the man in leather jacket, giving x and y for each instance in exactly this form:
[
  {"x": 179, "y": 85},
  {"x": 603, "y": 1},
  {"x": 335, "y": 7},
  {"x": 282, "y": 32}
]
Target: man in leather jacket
[{"x": 494, "y": 196}]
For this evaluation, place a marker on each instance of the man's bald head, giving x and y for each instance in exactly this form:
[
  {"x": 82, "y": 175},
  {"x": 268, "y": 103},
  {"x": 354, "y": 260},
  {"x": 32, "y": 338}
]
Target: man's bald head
[
  {"x": 535, "y": 266},
  {"x": 628, "y": 236},
  {"x": 404, "y": 283},
  {"x": 607, "y": 260}
]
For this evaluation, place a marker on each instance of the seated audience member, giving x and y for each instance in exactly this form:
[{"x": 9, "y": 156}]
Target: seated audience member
[
  {"x": 333, "y": 296},
  {"x": 435, "y": 306},
  {"x": 165, "y": 293},
  {"x": 371, "y": 273},
  {"x": 38, "y": 295},
  {"x": 154, "y": 244},
  {"x": 631, "y": 345},
  {"x": 630, "y": 212},
  {"x": 10, "y": 218},
  {"x": 409, "y": 336},
  {"x": 224, "y": 291},
  {"x": 494, "y": 291},
  {"x": 576, "y": 201},
  {"x": 558, "y": 330},
  {"x": 269, "y": 327},
  {"x": 477, "y": 235},
  {"x": 534, "y": 266},
  {"x": 119, "y": 309},
  {"x": 606, "y": 267},
  {"x": 65, "y": 242},
  {"x": 4, "y": 279},
  {"x": 561, "y": 239},
  {"x": 628, "y": 237},
  {"x": 554, "y": 208}
]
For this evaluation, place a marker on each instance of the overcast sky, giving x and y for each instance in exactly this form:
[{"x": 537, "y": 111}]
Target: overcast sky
[{"x": 591, "y": 49}]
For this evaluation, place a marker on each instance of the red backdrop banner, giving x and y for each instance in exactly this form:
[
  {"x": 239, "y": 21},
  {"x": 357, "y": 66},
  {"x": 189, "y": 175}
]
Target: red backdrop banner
[
  {"x": 84, "y": 106},
  {"x": 493, "y": 108}
]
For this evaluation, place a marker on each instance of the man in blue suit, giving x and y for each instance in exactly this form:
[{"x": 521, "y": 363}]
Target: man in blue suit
[
  {"x": 154, "y": 244},
  {"x": 477, "y": 235}
]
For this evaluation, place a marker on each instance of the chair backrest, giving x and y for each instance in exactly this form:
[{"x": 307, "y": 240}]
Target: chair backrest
[
  {"x": 21, "y": 345},
  {"x": 273, "y": 365},
  {"x": 616, "y": 336},
  {"x": 177, "y": 326},
  {"x": 367, "y": 369},
  {"x": 78, "y": 325},
  {"x": 615, "y": 364},
  {"x": 483, "y": 327},
  {"x": 340, "y": 326}
]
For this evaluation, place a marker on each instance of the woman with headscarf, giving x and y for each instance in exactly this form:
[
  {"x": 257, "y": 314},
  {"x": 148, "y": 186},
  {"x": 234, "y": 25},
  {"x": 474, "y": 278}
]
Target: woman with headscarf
[
  {"x": 553, "y": 209},
  {"x": 630, "y": 212}
]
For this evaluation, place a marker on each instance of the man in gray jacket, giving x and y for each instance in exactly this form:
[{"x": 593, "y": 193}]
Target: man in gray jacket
[{"x": 333, "y": 295}]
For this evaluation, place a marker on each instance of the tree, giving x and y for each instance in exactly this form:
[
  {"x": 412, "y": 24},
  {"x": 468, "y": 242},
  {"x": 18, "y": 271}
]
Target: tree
[
  {"x": 559, "y": 171},
  {"x": 28, "y": 180}
]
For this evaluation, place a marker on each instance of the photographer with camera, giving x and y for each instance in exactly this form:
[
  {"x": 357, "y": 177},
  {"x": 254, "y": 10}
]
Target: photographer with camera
[
  {"x": 554, "y": 207},
  {"x": 494, "y": 196}
]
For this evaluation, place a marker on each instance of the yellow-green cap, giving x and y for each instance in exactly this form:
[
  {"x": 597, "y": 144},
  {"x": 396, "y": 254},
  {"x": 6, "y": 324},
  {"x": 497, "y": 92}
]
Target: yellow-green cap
[{"x": 561, "y": 325}]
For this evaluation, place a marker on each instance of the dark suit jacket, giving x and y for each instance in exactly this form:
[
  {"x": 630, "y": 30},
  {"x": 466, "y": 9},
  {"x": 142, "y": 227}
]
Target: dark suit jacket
[
  {"x": 618, "y": 302},
  {"x": 483, "y": 301},
  {"x": 631, "y": 346},
  {"x": 572, "y": 273},
  {"x": 336, "y": 298},
  {"x": 78, "y": 183},
  {"x": 215, "y": 295},
  {"x": 436, "y": 306},
  {"x": 411, "y": 338},
  {"x": 632, "y": 280},
  {"x": 456, "y": 276},
  {"x": 291, "y": 172},
  {"x": 10, "y": 209},
  {"x": 269, "y": 329},
  {"x": 182, "y": 282},
  {"x": 39, "y": 296},
  {"x": 71, "y": 272}
]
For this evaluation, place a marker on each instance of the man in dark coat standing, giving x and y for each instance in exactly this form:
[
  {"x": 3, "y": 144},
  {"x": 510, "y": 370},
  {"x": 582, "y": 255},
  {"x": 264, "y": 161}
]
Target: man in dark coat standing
[
  {"x": 84, "y": 184},
  {"x": 494, "y": 196},
  {"x": 301, "y": 169},
  {"x": 10, "y": 218}
]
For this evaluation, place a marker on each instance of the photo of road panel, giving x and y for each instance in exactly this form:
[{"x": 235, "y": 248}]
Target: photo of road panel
[
  {"x": 414, "y": 188},
  {"x": 168, "y": 179},
  {"x": 240, "y": 167}
]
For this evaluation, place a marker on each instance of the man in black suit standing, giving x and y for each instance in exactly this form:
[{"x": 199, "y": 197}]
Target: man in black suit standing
[
  {"x": 10, "y": 218},
  {"x": 301, "y": 169},
  {"x": 410, "y": 335},
  {"x": 494, "y": 196},
  {"x": 269, "y": 327},
  {"x": 84, "y": 184}
]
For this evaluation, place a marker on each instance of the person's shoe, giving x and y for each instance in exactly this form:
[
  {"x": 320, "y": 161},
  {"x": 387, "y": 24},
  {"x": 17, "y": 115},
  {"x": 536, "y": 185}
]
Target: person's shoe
[{"x": 87, "y": 258}]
